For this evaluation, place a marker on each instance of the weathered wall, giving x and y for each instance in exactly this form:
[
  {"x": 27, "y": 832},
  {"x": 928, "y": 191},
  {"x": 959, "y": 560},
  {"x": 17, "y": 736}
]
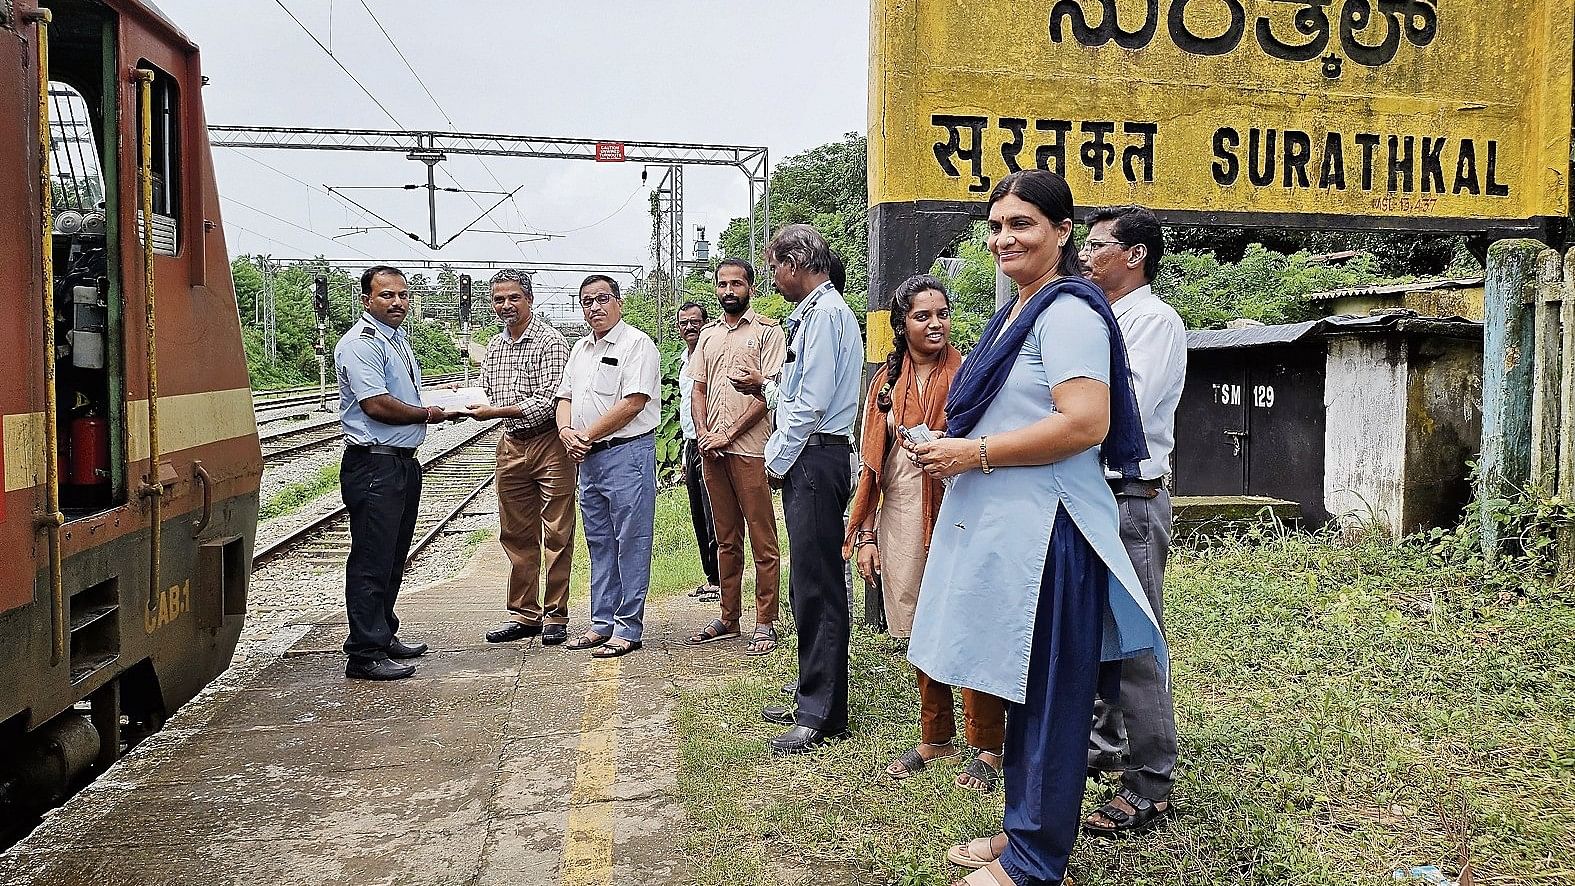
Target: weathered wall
[
  {"x": 1465, "y": 303},
  {"x": 1443, "y": 429},
  {"x": 1364, "y": 440}
]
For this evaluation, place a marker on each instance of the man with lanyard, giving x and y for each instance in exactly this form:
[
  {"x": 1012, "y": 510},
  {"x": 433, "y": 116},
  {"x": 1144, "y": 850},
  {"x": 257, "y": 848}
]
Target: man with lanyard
[
  {"x": 608, "y": 410},
  {"x": 1121, "y": 256},
  {"x": 810, "y": 456},
  {"x": 521, "y": 372},
  {"x": 380, "y": 479},
  {"x": 691, "y": 319}
]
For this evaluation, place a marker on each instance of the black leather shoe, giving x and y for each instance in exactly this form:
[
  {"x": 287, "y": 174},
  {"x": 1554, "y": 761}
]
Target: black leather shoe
[
  {"x": 553, "y": 635},
  {"x": 377, "y": 669},
  {"x": 397, "y": 649},
  {"x": 803, "y": 739},
  {"x": 777, "y": 713},
  {"x": 512, "y": 631}
]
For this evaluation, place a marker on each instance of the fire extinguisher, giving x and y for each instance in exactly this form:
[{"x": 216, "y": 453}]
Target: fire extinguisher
[{"x": 89, "y": 451}]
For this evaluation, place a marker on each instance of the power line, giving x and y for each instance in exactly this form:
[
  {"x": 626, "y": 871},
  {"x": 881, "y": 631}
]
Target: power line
[
  {"x": 262, "y": 236},
  {"x": 330, "y": 54},
  {"x": 450, "y": 120},
  {"x": 286, "y": 222},
  {"x": 311, "y": 187},
  {"x": 408, "y": 66}
]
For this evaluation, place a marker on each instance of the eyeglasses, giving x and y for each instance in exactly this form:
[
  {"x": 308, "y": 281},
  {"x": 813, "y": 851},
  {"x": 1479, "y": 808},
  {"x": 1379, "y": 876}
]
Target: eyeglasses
[
  {"x": 1096, "y": 245},
  {"x": 600, "y": 298},
  {"x": 687, "y": 323}
]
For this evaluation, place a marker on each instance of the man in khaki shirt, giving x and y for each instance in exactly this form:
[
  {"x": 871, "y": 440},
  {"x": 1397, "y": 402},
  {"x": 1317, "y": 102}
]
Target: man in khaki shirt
[{"x": 733, "y": 428}]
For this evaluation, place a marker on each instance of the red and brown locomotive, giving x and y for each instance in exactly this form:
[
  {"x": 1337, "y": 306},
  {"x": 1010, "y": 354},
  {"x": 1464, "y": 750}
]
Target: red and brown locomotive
[{"x": 129, "y": 450}]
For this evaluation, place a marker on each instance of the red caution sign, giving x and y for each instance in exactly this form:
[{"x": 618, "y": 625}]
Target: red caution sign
[{"x": 609, "y": 152}]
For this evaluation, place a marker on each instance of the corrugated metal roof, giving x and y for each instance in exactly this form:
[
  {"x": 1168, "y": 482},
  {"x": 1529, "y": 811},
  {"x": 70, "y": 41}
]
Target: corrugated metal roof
[
  {"x": 1397, "y": 288},
  {"x": 1403, "y": 322}
]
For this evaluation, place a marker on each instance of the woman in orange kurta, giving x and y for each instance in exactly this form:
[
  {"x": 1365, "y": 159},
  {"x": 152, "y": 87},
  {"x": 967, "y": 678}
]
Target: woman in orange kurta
[{"x": 894, "y": 512}]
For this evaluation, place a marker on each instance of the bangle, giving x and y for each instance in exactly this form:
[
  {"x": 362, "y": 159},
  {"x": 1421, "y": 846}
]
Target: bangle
[
  {"x": 867, "y": 535},
  {"x": 862, "y": 542},
  {"x": 984, "y": 456}
]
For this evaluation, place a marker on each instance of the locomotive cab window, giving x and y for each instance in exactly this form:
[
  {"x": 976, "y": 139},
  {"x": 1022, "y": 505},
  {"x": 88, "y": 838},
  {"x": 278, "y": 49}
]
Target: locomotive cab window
[
  {"x": 88, "y": 358},
  {"x": 165, "y": 141}
]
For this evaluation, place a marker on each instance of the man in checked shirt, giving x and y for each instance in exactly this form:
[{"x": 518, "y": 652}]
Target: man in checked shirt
[{"x": 521, "y": 372}]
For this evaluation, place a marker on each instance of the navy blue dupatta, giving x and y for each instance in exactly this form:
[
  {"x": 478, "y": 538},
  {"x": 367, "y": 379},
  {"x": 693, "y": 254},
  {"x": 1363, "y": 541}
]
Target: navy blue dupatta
[{"x": 985, "y": 370}]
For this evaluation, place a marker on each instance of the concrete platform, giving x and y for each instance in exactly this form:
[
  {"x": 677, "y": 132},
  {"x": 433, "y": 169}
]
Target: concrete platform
[{"x": 508, "y": 765}]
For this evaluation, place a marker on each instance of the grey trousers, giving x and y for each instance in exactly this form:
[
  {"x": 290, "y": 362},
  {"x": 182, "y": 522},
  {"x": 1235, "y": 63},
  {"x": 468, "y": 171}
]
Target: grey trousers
[{"x": 1142, "y": 723}]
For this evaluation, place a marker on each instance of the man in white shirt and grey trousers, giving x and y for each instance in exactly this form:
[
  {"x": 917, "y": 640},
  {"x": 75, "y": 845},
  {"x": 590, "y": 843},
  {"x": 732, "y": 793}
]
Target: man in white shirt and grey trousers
[{"x": 1136, "y": 733}]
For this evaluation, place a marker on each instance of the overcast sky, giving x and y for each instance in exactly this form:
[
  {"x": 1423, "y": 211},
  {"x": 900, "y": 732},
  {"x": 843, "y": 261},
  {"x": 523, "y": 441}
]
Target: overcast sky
[{"x": 747, "y": 72}]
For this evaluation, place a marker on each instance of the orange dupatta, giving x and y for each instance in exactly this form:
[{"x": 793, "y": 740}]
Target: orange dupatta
[{"x": 910, "y": 409}]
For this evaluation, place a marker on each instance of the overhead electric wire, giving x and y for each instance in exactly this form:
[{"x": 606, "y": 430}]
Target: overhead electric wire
[
  {"x": 295, "y": 246},
  {"x": 311, "y": 187},
  {"x": 614, "y": 214},
  {"x": 451, "y": 125},
  {"x": 286, "y": 221},
  {"x": 330, "y": 54}
]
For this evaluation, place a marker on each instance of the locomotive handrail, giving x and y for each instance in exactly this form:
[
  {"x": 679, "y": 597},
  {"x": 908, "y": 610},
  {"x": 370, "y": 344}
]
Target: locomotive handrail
[
  {"x": 153, "y": 488},
  {"x": 201, "y": 473},
  {"x": 52, "y": 519}
]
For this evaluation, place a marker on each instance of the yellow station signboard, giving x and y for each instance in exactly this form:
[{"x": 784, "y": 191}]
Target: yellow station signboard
[{"x": 1425, "y": 113}]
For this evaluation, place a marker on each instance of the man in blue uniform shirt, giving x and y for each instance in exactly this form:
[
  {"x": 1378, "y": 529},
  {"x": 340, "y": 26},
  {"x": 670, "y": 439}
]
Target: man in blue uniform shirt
[
  {"x": 380, "y": 479},
  {"x": 810, "y": 456}
]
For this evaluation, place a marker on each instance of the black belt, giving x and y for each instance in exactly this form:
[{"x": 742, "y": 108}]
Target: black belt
[
  {"x": 378, "y": 449},
  {"x": 1136, "y": 488},
  {"x": 828, "y": 440},
  {"x": 523, "y": 434},
  {"x": 600, "y": 445}
]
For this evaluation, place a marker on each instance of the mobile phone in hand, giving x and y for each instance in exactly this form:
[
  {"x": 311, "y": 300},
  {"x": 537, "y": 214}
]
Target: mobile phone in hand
[{"x": 922, "y": 434}]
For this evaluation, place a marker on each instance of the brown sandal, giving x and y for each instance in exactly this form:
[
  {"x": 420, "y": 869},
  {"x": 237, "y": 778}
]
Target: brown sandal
[
  {"x": 587, "y": 640},
  {"x": 716, "y": 630},
  {"x": 913, "y": 762}
]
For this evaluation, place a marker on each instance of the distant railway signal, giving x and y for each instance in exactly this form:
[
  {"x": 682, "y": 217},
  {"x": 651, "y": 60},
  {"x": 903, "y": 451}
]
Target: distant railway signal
[{"x": 320, "y": 298}]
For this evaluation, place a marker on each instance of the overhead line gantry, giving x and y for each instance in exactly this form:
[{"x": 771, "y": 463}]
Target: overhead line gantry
[{"x": 428, "y": 146}]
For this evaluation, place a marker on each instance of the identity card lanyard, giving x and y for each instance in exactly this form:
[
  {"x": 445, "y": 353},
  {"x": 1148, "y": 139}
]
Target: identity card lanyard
[{"x": 409, "y": 366}]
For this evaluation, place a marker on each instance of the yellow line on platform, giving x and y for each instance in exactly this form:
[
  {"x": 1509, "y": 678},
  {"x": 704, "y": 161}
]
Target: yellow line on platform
[{"x": 588, "y": 837}]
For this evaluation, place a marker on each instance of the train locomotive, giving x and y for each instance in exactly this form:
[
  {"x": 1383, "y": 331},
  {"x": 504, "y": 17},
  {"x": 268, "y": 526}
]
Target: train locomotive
[{"x": 128, "y": 446}]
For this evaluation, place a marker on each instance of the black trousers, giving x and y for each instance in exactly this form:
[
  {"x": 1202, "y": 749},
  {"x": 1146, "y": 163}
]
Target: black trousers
[
  {"x": 382, "y": 493},
  {"x": 700, "y": 511},
  {"x": 814, "y": 498}
]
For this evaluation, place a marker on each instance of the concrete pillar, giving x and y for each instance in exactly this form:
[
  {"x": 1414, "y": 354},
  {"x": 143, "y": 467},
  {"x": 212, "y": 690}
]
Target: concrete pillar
[{"x": 1505, "y": 464}]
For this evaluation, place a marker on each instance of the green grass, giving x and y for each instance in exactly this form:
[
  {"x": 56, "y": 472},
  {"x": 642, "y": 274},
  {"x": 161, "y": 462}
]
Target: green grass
[
  {"x": 1345, "y": 709},
  {"x": 296, "y": 495}
]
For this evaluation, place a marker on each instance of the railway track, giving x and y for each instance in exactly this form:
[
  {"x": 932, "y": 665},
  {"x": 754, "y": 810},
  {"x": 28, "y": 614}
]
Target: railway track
[
  {"x": 288, "y": 403},
  {"x": 451, "y": 480},
  {"x": 280, "y": 445}
]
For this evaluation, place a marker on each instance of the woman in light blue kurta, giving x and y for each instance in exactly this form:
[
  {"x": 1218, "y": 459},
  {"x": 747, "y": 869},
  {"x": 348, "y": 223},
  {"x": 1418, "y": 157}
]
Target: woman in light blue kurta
[{"x": 1028, "y": 586}]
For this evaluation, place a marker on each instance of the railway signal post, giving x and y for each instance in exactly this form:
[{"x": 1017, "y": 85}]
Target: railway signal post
[
  {"x": 320, "y": 306},
  {"x": 464, "y": 327}
]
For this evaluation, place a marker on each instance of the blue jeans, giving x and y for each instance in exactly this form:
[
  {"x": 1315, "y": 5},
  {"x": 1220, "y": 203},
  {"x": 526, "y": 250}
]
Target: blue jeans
[{"x": 618, "y": 508}]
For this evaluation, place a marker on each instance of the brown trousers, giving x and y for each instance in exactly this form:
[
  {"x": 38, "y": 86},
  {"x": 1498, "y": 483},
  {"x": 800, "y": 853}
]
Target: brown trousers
[
  {"x": 983, "y": 713},
  {"x": 535, "y": 481},
  {"x": 740, "y": 497}
]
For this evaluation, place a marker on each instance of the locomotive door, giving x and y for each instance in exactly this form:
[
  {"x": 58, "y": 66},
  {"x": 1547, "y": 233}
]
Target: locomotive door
[{"x": 88, "y": 317}]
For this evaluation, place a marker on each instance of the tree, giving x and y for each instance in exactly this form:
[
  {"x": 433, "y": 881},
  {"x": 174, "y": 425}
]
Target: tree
[{"x": 826, "y": 187}]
